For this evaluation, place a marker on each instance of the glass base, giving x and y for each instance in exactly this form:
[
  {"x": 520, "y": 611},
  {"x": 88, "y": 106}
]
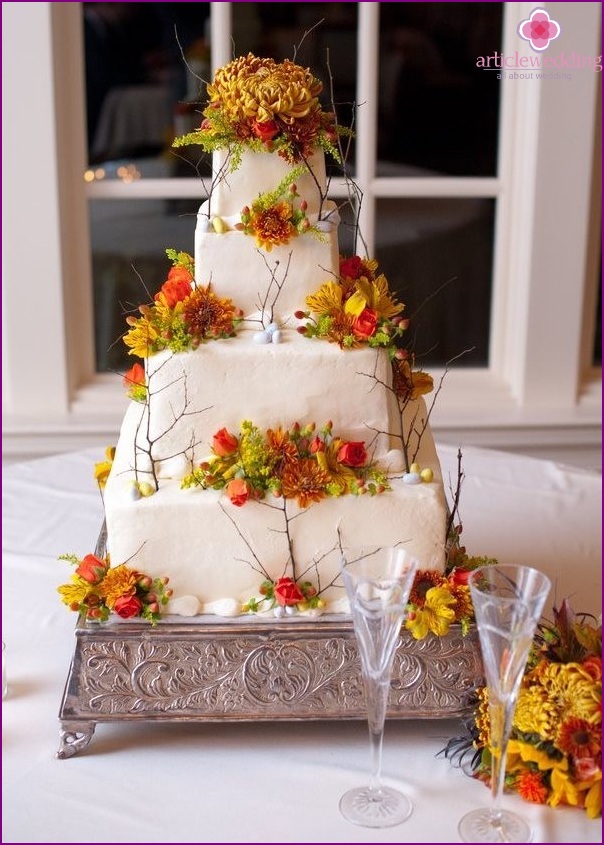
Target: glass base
[
  {"x": 375, "y": 808},
  {"x": 486, "y": 826}
]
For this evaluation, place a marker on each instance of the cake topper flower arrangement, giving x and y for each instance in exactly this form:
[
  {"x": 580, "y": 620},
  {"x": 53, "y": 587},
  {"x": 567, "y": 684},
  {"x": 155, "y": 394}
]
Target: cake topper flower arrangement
[
  {"x": 96, "y": 590},
  {"x": 265, "y": 105},
  {"x": 182, "y": 315},
  {"x": 554, "y": 754}
]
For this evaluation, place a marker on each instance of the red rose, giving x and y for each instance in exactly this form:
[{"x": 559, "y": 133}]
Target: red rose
[
  {"x": 365, "y": 324},
  {"x": 351, "y": 268},
  {"x": 265, "y": 129},
  {"x": 238, "y": 490},
  {"x": 460, "y": 576},
  {"x": 287, "y": 592},
  {"x": 128, "y": 606},
  {"x": 92, "y": 569},
  {"x": 135, "y": 375},
  {"x": 353, "y": 454},
  {"x": 224, "y": 443}
]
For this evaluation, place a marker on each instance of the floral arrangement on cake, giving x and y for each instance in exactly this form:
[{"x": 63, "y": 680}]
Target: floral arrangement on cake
[
  {"x": 96, "y": 590},
  {"x": 273, "y": 218},
  {"x": 182, "y": 315},
  {"x": 357, "y": 309},
  {"x": 265, "y": 105},
  {"x": 554, "y": 752},
  {"x": 298, "y": 463}
]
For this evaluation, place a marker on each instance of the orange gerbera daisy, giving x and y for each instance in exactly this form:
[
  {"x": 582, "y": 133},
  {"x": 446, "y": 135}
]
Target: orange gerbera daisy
[
  {"x": 577, "y": 738},
  {"x": 305, "y": 481}
]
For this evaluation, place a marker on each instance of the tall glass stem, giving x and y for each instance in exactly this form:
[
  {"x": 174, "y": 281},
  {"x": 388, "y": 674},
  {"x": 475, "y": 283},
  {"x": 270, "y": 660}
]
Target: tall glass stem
[
  {"x": 376, "y": 691},
  {"x": 501, "y": 712}
]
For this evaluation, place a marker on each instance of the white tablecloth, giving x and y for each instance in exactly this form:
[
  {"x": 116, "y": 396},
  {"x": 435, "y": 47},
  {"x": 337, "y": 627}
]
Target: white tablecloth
[{"x": 260, "y": 782}]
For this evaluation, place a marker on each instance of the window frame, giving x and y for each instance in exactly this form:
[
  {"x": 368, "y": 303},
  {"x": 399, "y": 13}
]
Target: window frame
[{"x": 537, "y": 392}]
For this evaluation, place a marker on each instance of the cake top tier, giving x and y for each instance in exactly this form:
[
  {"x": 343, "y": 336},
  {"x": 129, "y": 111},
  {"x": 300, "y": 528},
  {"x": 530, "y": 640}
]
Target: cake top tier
[{"x": 265, "y": 105}]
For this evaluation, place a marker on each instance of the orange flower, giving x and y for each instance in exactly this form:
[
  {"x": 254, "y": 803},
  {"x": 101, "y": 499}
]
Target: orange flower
[
  {"x": 224, "y": 443},
  {"x": 578, "y": 738},
  {"x": 135, "y": 375},
  {"x": 305, "y": 481},
  {"x": 238, "y": 490},
  {"x": 176, "y": 287},
  {"x": 530, "y": 786},
  {"x": 272, "y": 226}
]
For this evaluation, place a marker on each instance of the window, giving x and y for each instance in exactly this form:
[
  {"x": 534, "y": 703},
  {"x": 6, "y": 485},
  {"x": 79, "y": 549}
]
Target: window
[{"x": 529, "y": 218}]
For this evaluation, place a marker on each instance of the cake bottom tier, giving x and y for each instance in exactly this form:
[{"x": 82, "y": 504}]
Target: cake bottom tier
[{"x": 217, "y": 555}]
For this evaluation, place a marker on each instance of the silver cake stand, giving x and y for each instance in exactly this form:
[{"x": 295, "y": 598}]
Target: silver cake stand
[{"x": 250, "y": 669}]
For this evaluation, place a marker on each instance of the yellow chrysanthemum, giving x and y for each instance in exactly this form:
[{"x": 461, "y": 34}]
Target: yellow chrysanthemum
[
  {"x": 537, "y": 713},
  {"x": 435, "y": 616},
  {"x": 120, "y": 581},
  {"x": 574, "y": 689}
]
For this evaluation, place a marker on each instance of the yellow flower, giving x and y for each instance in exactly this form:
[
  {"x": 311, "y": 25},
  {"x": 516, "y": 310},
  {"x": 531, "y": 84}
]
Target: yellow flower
[
  {"x": 141, "y": 336},
  {"x": 120, "y": 581},
  {"x": 531, "y": 754},
  {"x": 103, "y": 468},
  {"x": 75, "y": 592},
  {"x": 563, "y": 789},
  {"x": 574, "y": 690},
  {"x": 435, "y": 616},
  {"x": 593, "y": 798},
  {"x": 336, "y": 472},
  {"x": 536, "y": 712},
  {"x": 373, "y": 295},
  {"x": 327, "y": 300}
]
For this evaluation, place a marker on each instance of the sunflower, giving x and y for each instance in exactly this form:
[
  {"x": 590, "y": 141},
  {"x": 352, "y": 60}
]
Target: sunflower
[{"x": 305, "y": 481}]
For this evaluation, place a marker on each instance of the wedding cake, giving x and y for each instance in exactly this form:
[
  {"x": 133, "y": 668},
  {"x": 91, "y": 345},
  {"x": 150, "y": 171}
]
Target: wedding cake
[{"x": 278, "y": 417}]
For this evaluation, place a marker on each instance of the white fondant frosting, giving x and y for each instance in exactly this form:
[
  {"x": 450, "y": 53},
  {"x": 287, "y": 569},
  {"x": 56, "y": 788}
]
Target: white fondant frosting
[{"x": 216, "y": 554}]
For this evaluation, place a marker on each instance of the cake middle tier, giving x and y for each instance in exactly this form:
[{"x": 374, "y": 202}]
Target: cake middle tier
[
  {"x": 265, "y": 284},
  {"x": 193, "y": 395}
]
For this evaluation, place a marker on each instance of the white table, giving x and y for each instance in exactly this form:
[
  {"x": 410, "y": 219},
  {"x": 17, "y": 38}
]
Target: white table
[{"x": 257, "y": 782}]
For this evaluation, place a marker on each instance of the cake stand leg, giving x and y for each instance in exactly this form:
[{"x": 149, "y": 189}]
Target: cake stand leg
[{"x": 74, "y": 737}]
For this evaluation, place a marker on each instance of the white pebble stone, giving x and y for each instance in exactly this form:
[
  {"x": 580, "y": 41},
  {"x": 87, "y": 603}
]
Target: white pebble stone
[
  {"x": 290, "y": 610},
  {"x": 261, "y": 337},
  {"x": 276, "y": 336},
  {"x": 223, "y": 607},
  {"x": 412, "y": 478},
  {"x": 324, "y": 225},
  {"x": 270, "y": 329},
  {"x": 279, "y": 611}
]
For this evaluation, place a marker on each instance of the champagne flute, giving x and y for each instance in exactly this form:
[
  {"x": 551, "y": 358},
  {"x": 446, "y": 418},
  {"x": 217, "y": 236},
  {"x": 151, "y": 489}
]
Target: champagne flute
[
  {"x": 377, "y": 583},
  {"x": 508, "y": 601}
]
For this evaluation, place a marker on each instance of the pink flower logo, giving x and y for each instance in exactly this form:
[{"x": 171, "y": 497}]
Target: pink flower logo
[{"x": 539, "y": 30}]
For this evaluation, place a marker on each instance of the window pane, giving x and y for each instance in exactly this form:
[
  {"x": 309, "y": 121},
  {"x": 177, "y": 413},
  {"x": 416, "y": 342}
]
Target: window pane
[
  {"x": 438, "y": 113},
  {"x": 437, "y": 256},
  {"x": 129, "y": 264}
]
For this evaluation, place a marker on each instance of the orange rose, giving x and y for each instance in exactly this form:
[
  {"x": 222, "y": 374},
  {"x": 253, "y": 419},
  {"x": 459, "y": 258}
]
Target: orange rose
[
  {"x": 92, "y": 569},
  {"x": 176, "y": 287},
  {"x": 365, "y": 324},
  {"x": 353, "y": 454},
  {"x": 238, "y": 490},
  {"x": 128, "y": 606},
  {"x": 224, "y": 443},
  {"x": 317, "y": 445},
  {"x": 287, "y": 592}
]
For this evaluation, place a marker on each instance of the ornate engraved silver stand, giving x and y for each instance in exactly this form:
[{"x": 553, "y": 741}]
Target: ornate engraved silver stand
[{"x": 252, "y": 669}]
